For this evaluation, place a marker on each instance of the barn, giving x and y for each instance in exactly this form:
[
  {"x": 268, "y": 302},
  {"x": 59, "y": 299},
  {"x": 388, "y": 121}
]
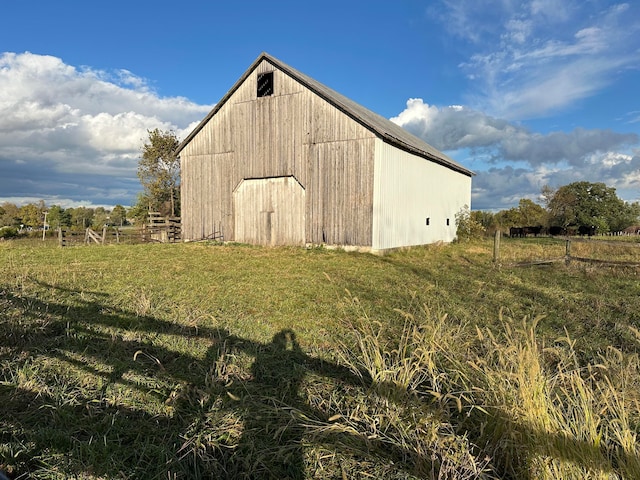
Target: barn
[{"x": 284, "y": 160}]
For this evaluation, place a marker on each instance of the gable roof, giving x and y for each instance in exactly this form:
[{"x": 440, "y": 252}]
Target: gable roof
[{"x": 382, "y": 127}]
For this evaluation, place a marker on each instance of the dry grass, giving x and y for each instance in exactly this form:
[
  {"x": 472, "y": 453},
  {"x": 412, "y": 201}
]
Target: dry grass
[
  {"x": 504, "y": 404},
  {"x": 198, "y": 361}
]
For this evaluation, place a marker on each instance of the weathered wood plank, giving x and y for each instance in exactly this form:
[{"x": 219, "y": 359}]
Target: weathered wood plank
[{"x": 293, "y": 133}]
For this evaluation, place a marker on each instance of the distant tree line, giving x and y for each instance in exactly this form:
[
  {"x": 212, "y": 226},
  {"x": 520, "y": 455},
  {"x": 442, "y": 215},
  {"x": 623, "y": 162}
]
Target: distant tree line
[
  {"x": 159, "y": 174},
  {"x": 576, "y": 204},
  {"x": 32, "y": 216}
]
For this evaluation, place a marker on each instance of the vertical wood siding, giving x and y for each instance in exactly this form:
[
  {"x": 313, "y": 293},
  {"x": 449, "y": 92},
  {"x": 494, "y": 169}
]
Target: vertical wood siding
[
  {"x": 341, "y": 192},
  {"x": 409, "y": 190},
  {"x": 293, "y": 133}
]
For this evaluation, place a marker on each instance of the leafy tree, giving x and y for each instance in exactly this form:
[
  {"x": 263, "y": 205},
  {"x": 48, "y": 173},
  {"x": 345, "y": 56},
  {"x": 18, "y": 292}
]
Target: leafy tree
[
  {"x": 140, "y": 211},
  {"x": 527, "y": 213},
  {"x": 508, "y": 218},
  {"x": 484, "y": 218},
  {"x": 9, "y": 216},
  {"x": 119, "y": 215},
  {"x": 58, "y": 217},
  {"x": 31, "y": 215},
  {"x": 586, "y": 203},
  {"x": 81, "y": 217},
  {"x": 488, "y": 220},
  {"x": 101, "y": 218},
  {"x": 159, "y": 171},
  {"x": 531, "y": 213}
]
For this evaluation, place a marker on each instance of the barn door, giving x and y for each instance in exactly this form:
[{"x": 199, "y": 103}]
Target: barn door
[{"x": 270, "y": 211}]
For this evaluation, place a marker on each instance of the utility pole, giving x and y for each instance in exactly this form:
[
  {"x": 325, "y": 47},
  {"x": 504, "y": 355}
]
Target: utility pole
[{"x": 44, "y": 227}]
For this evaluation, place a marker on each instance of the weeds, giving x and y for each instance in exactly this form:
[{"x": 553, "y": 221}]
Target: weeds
[
  {"x": 201, "y": 361},
  {"x": 523, "y": 410}
]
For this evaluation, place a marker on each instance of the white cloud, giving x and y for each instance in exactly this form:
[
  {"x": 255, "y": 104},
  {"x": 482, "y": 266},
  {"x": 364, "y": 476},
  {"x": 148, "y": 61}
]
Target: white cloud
[
  {"x": 76, "y": 126},
  {"x": 532, "y": 58},
  {"x": 454, "y": 127},
  {"x": 552, "y": 10},
  {"x": 513, "y": 162},
  {"x": 498, "y": 188},
  {"x": 517, "y": 31}
]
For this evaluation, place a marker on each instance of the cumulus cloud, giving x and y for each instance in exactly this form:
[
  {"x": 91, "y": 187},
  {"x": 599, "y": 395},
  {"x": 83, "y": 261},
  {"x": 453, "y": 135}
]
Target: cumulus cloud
[
  {"x": 456, "y": 127},
  {"x": 78, "y": 130},
  {"x": 516, "y": 162},
  {"x": 528, "y": 59}
]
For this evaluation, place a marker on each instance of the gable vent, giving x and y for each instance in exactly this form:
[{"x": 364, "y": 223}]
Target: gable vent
[{"x": 265, "y": 84}]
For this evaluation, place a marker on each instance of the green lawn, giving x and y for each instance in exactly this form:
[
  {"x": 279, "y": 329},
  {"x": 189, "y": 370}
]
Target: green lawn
[{"x": 212, "y": 361}]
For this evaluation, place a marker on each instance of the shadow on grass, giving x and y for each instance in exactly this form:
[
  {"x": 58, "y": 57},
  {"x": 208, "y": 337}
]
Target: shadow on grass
[{"x": 87, "y": 389}]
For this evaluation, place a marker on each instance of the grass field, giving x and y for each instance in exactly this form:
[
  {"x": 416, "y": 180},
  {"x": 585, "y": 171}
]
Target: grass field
[{"x": 229, "y": 361}]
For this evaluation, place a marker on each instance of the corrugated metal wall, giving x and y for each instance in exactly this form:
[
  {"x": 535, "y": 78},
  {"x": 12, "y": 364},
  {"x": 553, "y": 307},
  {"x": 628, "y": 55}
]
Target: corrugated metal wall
[
  {"x": 414, "y": 198},
  {"x": 291, "y": 133}
]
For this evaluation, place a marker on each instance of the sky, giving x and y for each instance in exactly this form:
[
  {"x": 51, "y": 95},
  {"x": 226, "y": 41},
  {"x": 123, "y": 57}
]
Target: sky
[{"x": 525, "y": 93}]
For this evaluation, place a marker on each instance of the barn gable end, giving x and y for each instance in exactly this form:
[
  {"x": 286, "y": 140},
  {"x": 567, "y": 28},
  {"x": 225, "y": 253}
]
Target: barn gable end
[{"x": 277, "y": 124}]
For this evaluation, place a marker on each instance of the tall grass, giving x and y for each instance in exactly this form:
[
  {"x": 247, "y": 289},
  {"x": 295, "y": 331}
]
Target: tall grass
[
  {"x": 201, "y": 361},
  {"x": 512, "y": 406}
]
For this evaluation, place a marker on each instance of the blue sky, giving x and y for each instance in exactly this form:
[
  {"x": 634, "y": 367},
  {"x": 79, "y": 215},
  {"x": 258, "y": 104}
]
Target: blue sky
[{"x": 524, "y": 93}]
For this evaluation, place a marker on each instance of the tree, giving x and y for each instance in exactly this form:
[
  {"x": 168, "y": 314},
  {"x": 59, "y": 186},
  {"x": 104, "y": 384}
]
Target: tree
[
  {"x": 139, "y": 213},
  {"x": 101, "y": 218},
  {"x": 487, "y": 219},
  {"x": 59, "y": 217},
  {"x": 159, "y": 171},
  {"x": 9, "y": 217},
  {"x": 82, "y": 217},
  {"x": 527, "y": 213},
  {"x": 531, "y": 213},
  {"x": 119, "y": 215},
  {"x": 586, "y": 203},
  {"x": 31, "y": 216}
]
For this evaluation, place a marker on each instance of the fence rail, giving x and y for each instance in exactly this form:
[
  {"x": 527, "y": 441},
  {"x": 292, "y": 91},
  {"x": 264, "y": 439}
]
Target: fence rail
[
  {"x": 158, "y": 229},
  {"x": 549, "y": 250},
  {"x": 110, "y": 235}
]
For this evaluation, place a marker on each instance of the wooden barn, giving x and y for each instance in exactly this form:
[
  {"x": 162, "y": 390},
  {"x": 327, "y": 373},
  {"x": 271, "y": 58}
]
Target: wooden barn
[{"x": 285, "y": 160}]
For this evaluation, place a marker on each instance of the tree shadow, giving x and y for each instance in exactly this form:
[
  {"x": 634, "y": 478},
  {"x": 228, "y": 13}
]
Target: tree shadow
[
  {"x": 239, "y": 410},
  {"x": 94, "y": 429}
]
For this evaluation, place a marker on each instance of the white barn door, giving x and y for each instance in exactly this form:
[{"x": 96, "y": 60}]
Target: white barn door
[{"x": 270, "y": 211}]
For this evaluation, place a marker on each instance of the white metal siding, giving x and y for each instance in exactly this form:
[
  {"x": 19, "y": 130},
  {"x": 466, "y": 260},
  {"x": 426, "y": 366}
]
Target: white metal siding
[{"x": 408, "y": 190}]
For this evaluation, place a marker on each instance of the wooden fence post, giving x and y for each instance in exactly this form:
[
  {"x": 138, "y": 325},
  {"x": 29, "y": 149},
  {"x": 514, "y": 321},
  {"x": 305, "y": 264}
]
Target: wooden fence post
[
  {"x": 61, "y": 240},
  {"x": 496, "y": 246},
  {"x": 567, "y": 252}
]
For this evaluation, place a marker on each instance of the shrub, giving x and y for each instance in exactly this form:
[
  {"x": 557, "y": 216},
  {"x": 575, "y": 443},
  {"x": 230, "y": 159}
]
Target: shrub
[
  {"x": 8, "y": 232},
  {"x": 467, "y": 228}
]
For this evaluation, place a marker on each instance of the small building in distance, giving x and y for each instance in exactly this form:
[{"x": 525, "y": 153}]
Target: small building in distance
[{"x": 284, "y": 160}]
